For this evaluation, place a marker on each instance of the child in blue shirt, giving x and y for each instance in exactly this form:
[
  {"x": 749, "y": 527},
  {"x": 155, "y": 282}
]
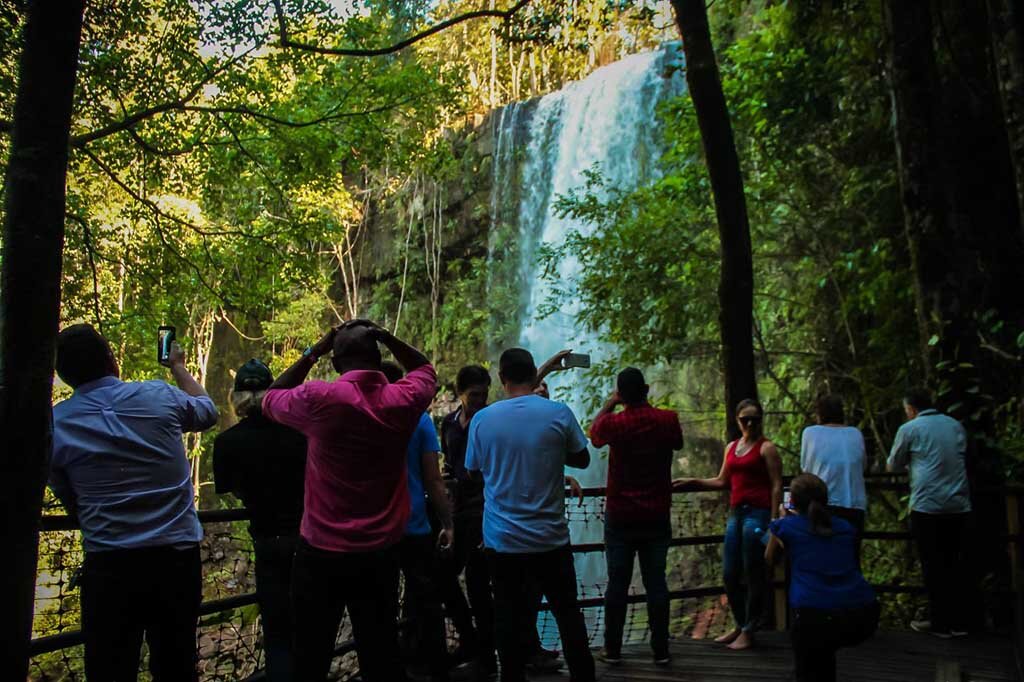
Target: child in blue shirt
[{"x": 832, "y": 604}]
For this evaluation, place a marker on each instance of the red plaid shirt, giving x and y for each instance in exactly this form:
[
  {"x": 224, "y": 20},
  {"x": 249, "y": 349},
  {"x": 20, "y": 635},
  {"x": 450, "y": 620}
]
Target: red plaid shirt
[{"x": 641, "y": 440}]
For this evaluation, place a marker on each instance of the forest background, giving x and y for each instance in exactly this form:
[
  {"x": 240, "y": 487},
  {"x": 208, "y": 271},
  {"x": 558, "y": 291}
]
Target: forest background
[{"x": 253, "y": 192}]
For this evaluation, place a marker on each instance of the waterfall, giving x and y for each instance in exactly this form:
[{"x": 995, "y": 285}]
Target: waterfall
[{"x": 543, "y": 148}]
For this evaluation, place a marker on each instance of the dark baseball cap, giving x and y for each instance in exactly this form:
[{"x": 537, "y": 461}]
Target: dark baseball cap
[{"x": 253, "y": 376}]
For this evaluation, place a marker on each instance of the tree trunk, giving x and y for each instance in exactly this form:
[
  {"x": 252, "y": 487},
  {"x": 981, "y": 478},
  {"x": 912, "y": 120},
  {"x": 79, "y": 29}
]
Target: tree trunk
[
  {"x": 1006, "y": 23},
  {"x": 913, "y": 82},
  {"x": 736, "y": 286},
  {"x": 33, "y": 241}
]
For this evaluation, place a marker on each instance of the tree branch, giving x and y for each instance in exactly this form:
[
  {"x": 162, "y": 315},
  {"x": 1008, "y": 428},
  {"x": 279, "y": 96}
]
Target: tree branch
[
  {"x": 91, "y": 253},
  {"x": 286, "y": 41}
]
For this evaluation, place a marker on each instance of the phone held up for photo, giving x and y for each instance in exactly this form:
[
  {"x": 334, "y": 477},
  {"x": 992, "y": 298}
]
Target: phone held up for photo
[
  {"x": 165, "y": 337},
  {"x": 576, "y": 360},
  {"x": 787, "y": 500}
]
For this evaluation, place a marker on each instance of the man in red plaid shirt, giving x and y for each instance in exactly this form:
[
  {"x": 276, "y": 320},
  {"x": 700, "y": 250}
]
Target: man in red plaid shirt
[{"x": 637, "y": 506}]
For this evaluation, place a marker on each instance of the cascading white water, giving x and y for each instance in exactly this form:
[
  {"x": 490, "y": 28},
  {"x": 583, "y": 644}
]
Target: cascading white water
[{"x": 608, "y": 122}]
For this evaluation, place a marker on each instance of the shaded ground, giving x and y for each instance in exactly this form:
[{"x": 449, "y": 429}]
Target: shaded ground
[{"x": 888, "y": 657}]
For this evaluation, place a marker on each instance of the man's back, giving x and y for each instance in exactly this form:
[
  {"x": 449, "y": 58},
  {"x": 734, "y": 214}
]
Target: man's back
[
  {"x": 118, "y": 454},
  {"x": 264, "y": 465},
  {"x": 934, "y": 446},
  {"x": 641, "y": 439},
  {"x": 358, "y": 427},
  {"x": 520, "y": 447}
]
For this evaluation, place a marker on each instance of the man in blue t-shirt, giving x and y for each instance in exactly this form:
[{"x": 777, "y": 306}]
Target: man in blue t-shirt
[
  {"x": 521, "y": 446},
  {"x": 417, "y": 550}
]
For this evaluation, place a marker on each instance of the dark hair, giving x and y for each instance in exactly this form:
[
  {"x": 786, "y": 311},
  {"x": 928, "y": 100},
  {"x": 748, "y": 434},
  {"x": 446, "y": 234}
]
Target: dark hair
[
  {"x": 809, "y": 495},
  {"x": 919, "y": 398},
  {"x": 355, "y": 348},
  {"x": 83, "y": 355},
  {"x": 516, "y": 366},
  {"x": 749, "y": 402},
  {"x": 631, "y": 386},
  {"x": 830, "y": 409},
  {"x": 471, "y": 375},
  {"x": 392, "y": 371}
]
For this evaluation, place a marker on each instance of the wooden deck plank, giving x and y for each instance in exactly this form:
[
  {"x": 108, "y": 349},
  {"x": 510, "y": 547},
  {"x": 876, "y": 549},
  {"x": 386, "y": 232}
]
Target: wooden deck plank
[{"x": 888, "y": 657}]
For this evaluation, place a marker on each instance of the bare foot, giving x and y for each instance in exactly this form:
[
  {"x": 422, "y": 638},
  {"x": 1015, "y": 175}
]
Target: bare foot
[
  {"x": 729, "y": 638},
  {"x": 744, "y": 641}
]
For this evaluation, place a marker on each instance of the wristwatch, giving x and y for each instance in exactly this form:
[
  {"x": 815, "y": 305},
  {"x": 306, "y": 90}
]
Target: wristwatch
[{"x": 308, "y": 353}]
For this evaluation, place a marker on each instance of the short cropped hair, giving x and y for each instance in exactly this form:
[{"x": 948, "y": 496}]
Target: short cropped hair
[
  {"x": 355, "y": 344},
  {"x": 829, "y": 409},
  {"x": 247, "y": 403},
  {"x": 631, "y": 386},
  {"x": 517, "y": 367},
  {"x": 471, "y": 375},
  {"x": 83, "y": 355},
  {"x": 919, "y": 398},
  {"x": 392, "y": 371}
]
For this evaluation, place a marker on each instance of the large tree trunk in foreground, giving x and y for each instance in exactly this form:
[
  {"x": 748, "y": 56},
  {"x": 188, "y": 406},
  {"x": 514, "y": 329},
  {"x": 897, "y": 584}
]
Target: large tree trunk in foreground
[
  {"x": 913, "y": 84},
  {"x": 736, "y": 286},
  {"x": 33, "y": 242},
  {"x": 1006, "y": 24}
]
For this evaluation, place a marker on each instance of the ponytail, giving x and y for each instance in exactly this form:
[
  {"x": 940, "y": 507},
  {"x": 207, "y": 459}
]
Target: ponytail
[
  {"x": 809, "y": 495},
  {"x": 821, "y": 520}
]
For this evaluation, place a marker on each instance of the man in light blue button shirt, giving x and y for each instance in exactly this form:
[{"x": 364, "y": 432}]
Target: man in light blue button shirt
[
  {"x": 934, "y": 447},
  {"x": 119, "y": 466}
]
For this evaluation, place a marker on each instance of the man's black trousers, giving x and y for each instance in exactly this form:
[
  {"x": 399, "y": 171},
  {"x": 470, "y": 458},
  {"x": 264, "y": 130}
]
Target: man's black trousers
[{"x": 128, "y": 594}]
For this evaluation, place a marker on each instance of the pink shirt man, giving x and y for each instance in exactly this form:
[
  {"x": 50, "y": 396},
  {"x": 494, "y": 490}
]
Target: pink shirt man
[{"x": 357, "y": 427}]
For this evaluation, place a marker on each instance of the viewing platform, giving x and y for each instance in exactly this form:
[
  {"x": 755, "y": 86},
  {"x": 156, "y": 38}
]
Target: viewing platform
[{"x": 887, "y": 657}]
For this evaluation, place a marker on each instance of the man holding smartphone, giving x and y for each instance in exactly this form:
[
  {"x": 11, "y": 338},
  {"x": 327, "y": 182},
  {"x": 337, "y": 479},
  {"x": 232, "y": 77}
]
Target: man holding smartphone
[{"x": 120, "y": 467}]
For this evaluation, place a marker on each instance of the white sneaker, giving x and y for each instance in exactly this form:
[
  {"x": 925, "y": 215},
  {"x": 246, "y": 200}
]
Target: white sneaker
[{"x": 925, "y": 627}]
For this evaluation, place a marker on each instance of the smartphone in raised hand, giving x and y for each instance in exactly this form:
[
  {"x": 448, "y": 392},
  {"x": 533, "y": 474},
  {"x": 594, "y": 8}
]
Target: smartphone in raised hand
[
  {"x": 576, "y": 360},
  {"x": 165, "y": 337}
]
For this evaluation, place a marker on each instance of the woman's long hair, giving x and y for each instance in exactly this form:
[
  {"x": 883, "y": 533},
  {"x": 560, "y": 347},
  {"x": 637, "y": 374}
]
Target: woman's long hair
[{"x": 809, "y": 495}]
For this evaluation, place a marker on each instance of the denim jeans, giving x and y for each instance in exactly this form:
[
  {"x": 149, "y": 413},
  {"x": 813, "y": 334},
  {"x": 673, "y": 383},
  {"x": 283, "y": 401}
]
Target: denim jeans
[
  {"x": 650, "y": 544},
  {"x": 516, "y": 579},
  {"x": 274, "y": 557},
  {"x": 743, "y": 566}
]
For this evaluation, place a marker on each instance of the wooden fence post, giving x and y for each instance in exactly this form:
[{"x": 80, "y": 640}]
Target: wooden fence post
[
  {"x": 1013, "y": 530},
  {"x": 779, "y": 595}
]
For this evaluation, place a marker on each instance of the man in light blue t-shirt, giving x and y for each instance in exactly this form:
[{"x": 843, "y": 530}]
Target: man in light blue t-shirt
[
  {"x": 521, "y": 446},
  {"x": 934, "y": 446}
]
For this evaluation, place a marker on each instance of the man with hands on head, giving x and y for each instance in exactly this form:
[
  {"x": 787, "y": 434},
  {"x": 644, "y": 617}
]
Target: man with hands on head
[
  {"x": 119, "y": 466},
  {"x": 356, "y": 499}
]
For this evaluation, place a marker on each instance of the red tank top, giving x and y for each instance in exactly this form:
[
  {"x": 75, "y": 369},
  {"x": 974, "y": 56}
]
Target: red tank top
[{"x": 749, "y": 482}]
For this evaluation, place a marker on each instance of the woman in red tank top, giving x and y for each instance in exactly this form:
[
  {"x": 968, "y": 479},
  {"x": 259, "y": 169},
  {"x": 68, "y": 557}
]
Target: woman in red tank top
[{"x": 752, "y": 473}]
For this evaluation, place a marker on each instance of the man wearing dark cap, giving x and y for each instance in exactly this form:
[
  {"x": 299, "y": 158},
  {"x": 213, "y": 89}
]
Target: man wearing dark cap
[
  {"x": 638, "y": 506},
  {"x": 263, "y": 464},
  {"x": 119, "y": 467},
  {"x": 357, "y": 500}
]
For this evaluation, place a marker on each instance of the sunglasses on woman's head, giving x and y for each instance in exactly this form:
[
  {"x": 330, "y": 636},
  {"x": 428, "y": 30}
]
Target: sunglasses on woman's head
[{"x": 747, "y": 421}]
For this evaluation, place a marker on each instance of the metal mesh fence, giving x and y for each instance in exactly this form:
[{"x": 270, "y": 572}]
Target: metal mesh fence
[{"x": 229, "y": 638}]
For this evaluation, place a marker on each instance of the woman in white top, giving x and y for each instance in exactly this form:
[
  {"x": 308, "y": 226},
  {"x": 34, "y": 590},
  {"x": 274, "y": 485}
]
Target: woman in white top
[{"x": 834, "y": 452}]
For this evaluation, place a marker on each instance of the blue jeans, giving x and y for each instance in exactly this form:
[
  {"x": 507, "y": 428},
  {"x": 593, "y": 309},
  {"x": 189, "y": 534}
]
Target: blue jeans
[
  {"x": 650, "y": 544},
  {"x": 743, "y": 566}
]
